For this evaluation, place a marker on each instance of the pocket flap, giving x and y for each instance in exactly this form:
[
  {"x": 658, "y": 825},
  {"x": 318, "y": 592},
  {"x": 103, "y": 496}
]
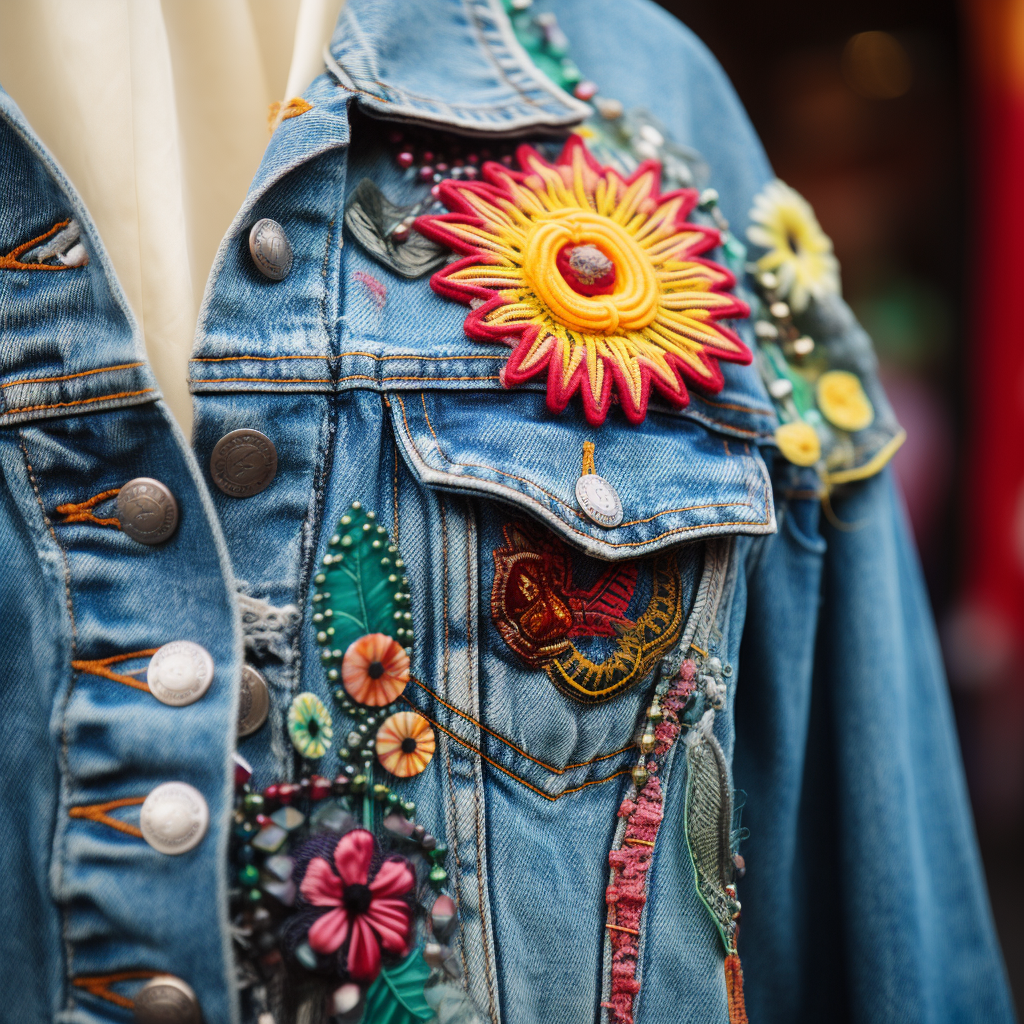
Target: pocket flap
[{"x": 677, "y": 480}]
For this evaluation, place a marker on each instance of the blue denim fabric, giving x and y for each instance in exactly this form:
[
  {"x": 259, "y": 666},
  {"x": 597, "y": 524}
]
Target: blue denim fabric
[
  {"x": 81, "y": 415},
  {"x": 863, "y": 900}
]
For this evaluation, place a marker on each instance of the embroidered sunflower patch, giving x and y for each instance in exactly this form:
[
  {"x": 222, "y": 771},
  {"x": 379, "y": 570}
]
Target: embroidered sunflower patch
[
  {"x": 594, "y": 637},
  {"x": 595, "y": 280}
]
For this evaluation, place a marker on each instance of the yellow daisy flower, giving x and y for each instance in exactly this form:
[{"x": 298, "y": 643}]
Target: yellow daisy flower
[
  {"x": 799, "y": 253},
  {"x": 842, "y": 400},
  {"x": 798, "y": 442}
]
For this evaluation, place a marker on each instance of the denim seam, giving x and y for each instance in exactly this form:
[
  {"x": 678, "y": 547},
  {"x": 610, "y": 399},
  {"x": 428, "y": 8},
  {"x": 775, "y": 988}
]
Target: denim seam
[
  {"x": 472, "y": 570},
  {"x": 80, "y": 401},
  {"x": 62, "y": 803},
  {"x": 452, "y": 830}
]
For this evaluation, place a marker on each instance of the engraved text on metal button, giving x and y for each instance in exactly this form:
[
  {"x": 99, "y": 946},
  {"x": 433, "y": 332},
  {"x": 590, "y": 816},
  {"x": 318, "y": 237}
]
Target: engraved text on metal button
[
  {"x": 166, "y": 999},
  {"x": 599, "y": 500},
  {"x": 253, "y": 702},
  {"x": 180, "y": 673},
  {"x": 146, "y": 510},
  {"x": 243, "y": 463},
  {"x": 174, "y": 818},
  {"x": 271, "y": 251}
]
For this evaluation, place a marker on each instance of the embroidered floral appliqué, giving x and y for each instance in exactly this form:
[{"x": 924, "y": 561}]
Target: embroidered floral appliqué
[
  {"x": 539, "y": 612},
  {"x": 595, "y": 280}
]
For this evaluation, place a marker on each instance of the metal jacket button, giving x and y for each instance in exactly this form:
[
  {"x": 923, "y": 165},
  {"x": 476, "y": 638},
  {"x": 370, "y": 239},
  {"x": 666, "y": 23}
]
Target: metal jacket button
[
  {"x": 599, "y": 500},
  {"x": 271, "y": 251},
  {"x": 146, "y": 510},
  {"x": 180, "y": 673},
  {"x": 174, "y": 818},
  {"x": 253, "y": 702},
  {"x": 166, "y": 999},
  {"x": 243, "y": 463}
]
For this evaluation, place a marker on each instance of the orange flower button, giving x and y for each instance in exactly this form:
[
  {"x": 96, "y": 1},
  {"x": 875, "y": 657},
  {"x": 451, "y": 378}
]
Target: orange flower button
[
  {"x": 405, "y": 744},
  {"x": 375, "y": 670}
]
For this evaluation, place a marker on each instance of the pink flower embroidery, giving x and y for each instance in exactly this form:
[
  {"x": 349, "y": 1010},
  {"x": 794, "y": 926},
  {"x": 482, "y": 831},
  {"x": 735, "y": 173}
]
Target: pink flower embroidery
[{"x": 370, "y": 914}]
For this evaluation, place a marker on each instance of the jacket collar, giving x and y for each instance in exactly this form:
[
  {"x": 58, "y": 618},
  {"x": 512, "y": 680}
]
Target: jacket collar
[{"x": 452, "y": 63}]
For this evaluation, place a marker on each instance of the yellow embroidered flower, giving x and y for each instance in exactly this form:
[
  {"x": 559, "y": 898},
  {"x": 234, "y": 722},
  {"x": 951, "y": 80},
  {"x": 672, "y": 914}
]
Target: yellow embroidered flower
[
  {"x": 798, "y": 442},
  {"x": 595, "y": 280},
  {"x": 799, "y": 253},
  {"x": 842, "y": 400}
]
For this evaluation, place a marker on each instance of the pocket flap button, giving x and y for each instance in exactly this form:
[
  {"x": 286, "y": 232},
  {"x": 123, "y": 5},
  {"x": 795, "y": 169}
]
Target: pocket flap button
[
  {"x": 146, "y": 510},
  {"x": 599, "y": 500}
]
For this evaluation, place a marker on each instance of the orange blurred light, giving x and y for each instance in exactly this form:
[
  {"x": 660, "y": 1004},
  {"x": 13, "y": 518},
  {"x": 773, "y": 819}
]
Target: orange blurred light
[{"x": 876, "y": 65}]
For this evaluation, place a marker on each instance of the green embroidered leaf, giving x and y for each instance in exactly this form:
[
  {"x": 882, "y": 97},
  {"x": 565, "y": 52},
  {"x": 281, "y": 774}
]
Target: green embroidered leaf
[
  {"x": 708, "y": 817},
  {"x": 371, "y": 218},
  {"x": 396, "y": 997},
  {"x": 361, "y": 587}
]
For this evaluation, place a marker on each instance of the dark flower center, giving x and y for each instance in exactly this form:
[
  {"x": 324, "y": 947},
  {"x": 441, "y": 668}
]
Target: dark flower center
[
  {"x": 312, "y": 727},
  {"x": 376, "y": 670},
  {"x": 408, "y": 745},
  {"x": 357, "y": 898}
]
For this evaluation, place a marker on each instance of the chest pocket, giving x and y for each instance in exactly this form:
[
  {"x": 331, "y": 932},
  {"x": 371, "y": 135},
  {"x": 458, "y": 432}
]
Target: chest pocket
[{"x": 568, "y": 619}]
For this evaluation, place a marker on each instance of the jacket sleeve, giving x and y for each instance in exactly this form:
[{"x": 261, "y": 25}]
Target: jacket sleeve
[{"x": 864, "y": 896}]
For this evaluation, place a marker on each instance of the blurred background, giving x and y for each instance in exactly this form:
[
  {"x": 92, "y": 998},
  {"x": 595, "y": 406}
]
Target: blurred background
[{"x": 903, "y": 123}]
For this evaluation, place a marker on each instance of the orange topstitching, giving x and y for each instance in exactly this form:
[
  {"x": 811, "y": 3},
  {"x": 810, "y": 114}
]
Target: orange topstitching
[
  {"x": 80, "y": 401},
  {"x": 99, "y": 985},
  {"x": 81, "y": 511},
  {"x": 11, "y": 261},
  {"x": 99, "y": 667},
  {"x": 71, "y": 376},
  {"x": 98, "y": 813}
]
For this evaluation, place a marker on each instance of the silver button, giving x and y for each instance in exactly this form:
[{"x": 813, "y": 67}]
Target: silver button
[
  {"x": 253, "y": 702},
  {"x": 146, "y": 510},
  {"x": 174, "y": 818},
  {"x": 599, "y": 500},
  {"x": 180, "y": 673},
  {"x": 243, "y": 463},
  {"x": 166, "y": 999},
  {"x": 270, "y": 248}
]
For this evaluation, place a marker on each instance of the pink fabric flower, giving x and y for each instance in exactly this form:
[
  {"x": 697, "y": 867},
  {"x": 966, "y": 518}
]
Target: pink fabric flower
[{"x": 370, "y": 914}]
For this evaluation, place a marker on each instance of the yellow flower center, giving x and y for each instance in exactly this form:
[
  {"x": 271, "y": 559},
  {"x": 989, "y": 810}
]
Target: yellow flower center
[{"x": 630, "y": 306}]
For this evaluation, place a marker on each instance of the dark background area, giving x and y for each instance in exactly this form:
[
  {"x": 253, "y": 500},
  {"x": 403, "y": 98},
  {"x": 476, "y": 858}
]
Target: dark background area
[{"x": 875, "y": 131}]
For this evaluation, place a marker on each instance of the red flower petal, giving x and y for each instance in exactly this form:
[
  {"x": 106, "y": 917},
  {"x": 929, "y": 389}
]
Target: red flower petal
[
  {"x": 363, "y": 951},
  {"x": 390, "y": 919},
  {"x": 328, "y": 932},
  {"x": 321, "y": 886},
  {"x": 352, "y": 856},
  {"x": 395, "y": 878}
]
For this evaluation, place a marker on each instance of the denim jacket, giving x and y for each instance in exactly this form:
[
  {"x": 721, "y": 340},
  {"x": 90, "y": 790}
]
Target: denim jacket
[{"x": 795, "y": 656}]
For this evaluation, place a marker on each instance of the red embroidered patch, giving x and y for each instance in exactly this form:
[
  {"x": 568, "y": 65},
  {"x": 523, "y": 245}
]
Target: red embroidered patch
[
  {"x": 596, "y": 281},
  {"x": 539, "y": 611}
]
